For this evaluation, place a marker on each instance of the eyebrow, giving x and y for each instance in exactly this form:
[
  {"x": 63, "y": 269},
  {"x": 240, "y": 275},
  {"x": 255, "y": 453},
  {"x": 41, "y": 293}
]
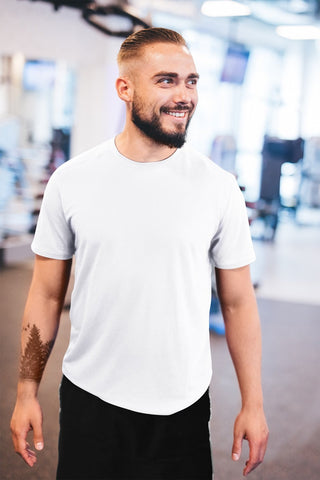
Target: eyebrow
[{"x": 174, "y": 75}]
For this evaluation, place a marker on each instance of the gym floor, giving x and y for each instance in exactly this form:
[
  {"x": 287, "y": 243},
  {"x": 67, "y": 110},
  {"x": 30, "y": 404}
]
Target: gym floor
[{"x": 287, "y": 272}]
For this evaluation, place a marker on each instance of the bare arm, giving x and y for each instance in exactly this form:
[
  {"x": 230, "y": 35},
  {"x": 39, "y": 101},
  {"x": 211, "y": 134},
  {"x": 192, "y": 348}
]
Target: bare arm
[
  {"x": 243, "y": 336},
  {"x": 39, "y": 329}
]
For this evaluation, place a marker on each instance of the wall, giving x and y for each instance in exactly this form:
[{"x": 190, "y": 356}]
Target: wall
[
  {"x": 35, "y": 30},
  {"x": 310, "y": 123}
]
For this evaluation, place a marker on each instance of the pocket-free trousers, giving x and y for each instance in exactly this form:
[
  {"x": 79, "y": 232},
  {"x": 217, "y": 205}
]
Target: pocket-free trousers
[{"x": 102, "y": 441}]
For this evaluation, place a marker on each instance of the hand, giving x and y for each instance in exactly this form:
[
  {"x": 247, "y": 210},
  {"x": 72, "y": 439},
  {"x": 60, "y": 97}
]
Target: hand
[
  {"x": 27, "y": 416},
  {"x": 251, "y": 426}
]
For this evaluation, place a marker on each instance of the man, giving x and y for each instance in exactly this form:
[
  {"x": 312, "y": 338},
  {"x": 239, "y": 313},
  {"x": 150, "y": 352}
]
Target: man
[{"x": 145, "y": 216}]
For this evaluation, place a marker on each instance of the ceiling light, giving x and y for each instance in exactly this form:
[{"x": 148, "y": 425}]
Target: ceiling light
[
  {"x": 275, "y": 14},
  {"x": 301, "y": 6},
  {"x": 299, "y": 32},
  {"x": 224, "y": 8}
]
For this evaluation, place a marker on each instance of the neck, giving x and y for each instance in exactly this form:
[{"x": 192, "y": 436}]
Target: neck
[{"x": 135, "y": 145}]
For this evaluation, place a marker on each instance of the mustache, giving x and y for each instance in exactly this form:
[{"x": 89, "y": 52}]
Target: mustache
[{"x": 178, "y": 108}]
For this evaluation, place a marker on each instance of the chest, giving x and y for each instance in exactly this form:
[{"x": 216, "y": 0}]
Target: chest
[{"x": 144, "y": 210}]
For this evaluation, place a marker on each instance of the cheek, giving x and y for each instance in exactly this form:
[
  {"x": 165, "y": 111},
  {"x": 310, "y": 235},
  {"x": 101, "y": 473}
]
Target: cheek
[{"x": 195, "y": 99}]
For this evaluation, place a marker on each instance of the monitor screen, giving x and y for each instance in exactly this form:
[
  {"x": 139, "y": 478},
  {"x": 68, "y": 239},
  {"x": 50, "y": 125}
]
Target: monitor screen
[
  {"x": 38, "y": 75},
  {"x": 235, "y": 64}
]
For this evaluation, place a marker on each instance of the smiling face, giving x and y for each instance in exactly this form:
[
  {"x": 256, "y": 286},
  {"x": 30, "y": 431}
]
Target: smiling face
[{"x": 164, "y": 93}]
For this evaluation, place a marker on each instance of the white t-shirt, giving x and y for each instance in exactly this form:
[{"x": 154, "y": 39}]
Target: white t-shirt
[{"x": 144, "y": 236}]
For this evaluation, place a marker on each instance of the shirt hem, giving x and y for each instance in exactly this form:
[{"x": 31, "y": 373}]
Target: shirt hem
[
  {"x": 134, "y": 408},
  {"x": 236, "y": 265},
  {"x": 55, "y": 256}
]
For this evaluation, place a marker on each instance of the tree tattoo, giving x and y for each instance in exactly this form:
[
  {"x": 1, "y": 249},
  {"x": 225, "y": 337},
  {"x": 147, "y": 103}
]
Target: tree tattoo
[{"x": 35, "y": 355}]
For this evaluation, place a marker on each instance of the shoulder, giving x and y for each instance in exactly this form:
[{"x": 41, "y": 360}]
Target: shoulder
[
  {"x": 206, "y": 167},
  {"x": 85, "y": 162}
]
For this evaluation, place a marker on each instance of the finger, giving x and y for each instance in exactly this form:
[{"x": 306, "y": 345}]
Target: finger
[
  {"x": 257, "y": 453},
  {"x": 254, "y": 460},
  {"x": 249, "y": 467},
  {"x": 236, "y": 447},
  {"x": 38, "y": 437},
  {"x": 29, "y": 456},
  {"x": 23, "y": 449}
]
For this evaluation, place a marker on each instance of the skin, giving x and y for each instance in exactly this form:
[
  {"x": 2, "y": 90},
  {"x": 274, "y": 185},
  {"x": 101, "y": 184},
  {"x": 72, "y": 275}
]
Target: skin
[
  {"x": 243, "y": 335},
  {"x": 42, "y": 313},
  {"x": 163, "y": 78},
  {"x": 159, "y": 83}
]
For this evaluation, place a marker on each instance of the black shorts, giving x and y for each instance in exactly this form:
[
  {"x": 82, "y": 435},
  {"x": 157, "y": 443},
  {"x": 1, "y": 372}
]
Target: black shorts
[{"x": 102, "y": 441}]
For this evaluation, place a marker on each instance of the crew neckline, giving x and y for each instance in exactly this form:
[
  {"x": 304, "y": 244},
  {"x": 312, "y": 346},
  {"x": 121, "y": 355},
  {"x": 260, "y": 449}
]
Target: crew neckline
[{"x": 129, "y": 161}]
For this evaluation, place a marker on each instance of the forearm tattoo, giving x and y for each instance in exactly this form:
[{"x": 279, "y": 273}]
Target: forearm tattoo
[{"x": 35, "y": 355}]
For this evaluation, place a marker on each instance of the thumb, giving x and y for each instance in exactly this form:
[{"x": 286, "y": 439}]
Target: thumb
[
  {"x": 38, "y": 437},
  {"x": 236, "y": 448}
]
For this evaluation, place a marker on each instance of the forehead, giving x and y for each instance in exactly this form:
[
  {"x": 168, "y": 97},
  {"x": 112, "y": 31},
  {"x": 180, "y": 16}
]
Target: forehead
[{"x": 158, "y": 57}]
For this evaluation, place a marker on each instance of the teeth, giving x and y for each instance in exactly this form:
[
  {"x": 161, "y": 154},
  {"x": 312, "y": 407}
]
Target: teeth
[{"x": 177, "y": 114}]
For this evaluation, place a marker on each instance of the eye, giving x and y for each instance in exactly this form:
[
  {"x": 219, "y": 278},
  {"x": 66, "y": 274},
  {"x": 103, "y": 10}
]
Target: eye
[
  {"x": 192, "y": 81},
  {"x": 165, "y": 81}
]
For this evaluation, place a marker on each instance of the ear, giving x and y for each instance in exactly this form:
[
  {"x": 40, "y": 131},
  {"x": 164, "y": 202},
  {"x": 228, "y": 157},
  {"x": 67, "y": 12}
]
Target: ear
[{"x": 124, "y": 89}]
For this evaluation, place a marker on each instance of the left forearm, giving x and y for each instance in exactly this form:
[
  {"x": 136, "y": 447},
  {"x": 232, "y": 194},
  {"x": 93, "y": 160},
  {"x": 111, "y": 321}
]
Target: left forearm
[
  {"x": 243, "y": 336},
  {"x": 240, "y": 313},
  {"x": 244, "y": 342}
]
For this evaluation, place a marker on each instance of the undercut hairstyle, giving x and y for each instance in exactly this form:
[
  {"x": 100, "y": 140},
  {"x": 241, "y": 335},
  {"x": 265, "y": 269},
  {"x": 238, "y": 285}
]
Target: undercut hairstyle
[{"x": 135, "y": 43}]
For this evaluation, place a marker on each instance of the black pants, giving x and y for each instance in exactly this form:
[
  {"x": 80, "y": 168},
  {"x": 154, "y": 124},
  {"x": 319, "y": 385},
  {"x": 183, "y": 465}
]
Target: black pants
[{"x": 101, "y": 441}]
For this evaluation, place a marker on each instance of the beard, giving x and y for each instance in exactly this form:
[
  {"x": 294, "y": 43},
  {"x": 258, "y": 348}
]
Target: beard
[{"x": 152, "y": 128}]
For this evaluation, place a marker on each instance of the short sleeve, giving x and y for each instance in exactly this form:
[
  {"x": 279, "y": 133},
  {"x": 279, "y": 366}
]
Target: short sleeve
[
  {"x": 53, "y": 236},
  {"x": 231, "y": 246}
]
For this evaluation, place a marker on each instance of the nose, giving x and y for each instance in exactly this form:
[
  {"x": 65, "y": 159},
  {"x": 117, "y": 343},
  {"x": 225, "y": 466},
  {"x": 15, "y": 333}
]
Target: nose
[{"x": 183, "y": 94}]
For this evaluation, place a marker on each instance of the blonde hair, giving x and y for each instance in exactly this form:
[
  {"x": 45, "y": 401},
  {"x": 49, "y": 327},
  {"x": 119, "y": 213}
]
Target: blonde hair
[{"x": 134, "y": 44}]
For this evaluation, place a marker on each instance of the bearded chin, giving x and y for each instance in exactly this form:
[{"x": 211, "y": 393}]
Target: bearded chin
[{"x": 152, "y": 129}]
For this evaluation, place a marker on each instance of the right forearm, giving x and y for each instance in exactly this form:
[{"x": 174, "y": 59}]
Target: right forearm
[
  {"x": 34, "y": 354},
  {"x": 39, "y": 330}
]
